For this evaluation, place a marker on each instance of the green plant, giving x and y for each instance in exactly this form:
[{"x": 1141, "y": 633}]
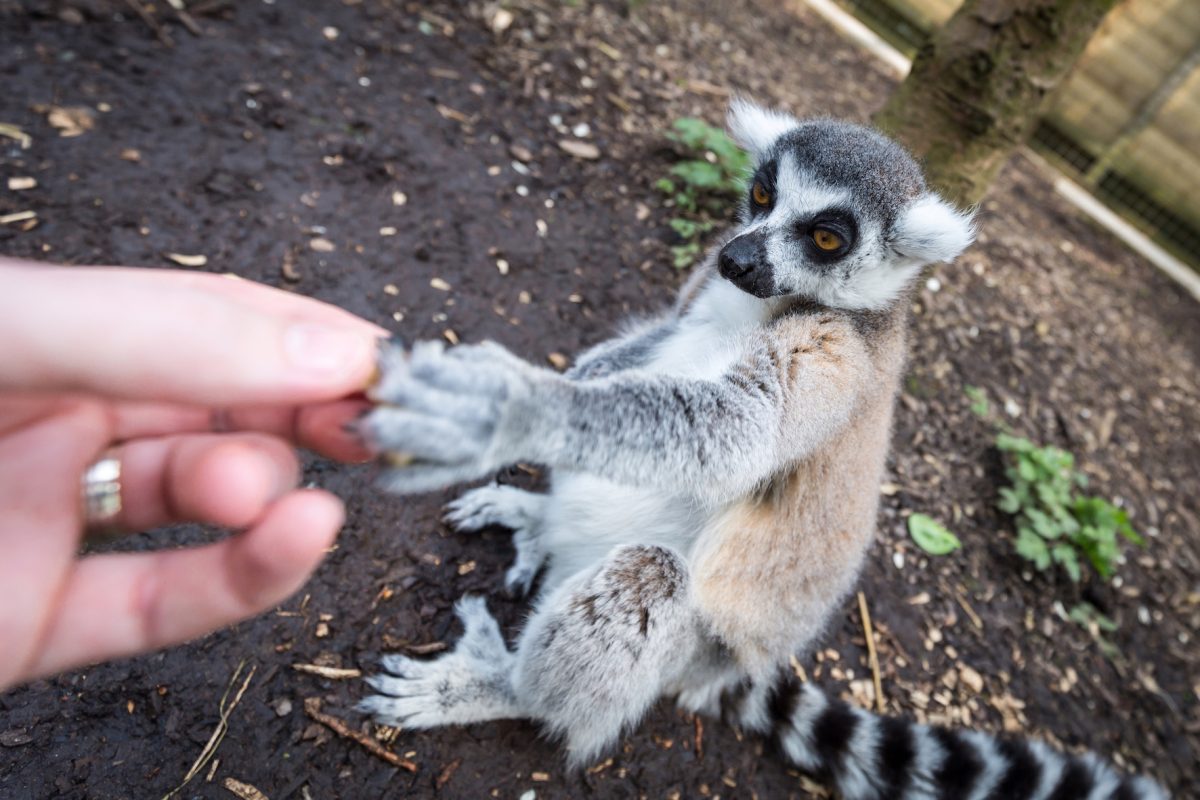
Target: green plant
[
  {"x": 1056, "y": 524},
  {"x": 701, "y": 186},
  {"x": 1088, "y": 617},
  {"x": 931, "y": 536}
]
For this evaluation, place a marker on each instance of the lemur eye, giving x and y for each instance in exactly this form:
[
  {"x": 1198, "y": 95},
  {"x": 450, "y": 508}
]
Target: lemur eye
[
  {"x": 826, "y": 239},
  {"x": 760, "y": 194}
]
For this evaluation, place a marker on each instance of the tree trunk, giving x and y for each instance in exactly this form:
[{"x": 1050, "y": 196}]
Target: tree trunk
[{"x": 978, "y": 85}]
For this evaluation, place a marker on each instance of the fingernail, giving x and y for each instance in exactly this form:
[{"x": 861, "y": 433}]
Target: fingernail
[{"x": 321, "y": 348}]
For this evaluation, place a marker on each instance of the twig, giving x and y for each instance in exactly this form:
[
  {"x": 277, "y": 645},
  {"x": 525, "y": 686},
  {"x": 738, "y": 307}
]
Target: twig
[
  {"x": 214, "y": 741},
  {"x": 187, "y": 19},
  {"x": 312, "y": 707},
  {"x": 975, "y": 620},
  {"x": 872, "y": 657},
  {"x": 333, "y": 673},
  {"x": 699, "y": 738},
  {"x": 151, "y": 22}
]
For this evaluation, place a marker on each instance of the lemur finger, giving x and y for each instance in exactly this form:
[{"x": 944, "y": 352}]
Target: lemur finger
[
  {"x": 417, "y": 395},
  {"x": 418, "y": 479},
  {"x": 453, "y": 374},
  {"x": 481, "y": 633},
  {"x": 420, "y": 436},
  {"x": 404, "y": 667}
]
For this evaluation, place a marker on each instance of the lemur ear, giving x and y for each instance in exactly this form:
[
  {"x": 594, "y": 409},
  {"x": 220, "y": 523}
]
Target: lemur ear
[
  {"x": 930, "y": 229},
  {"x": 756, "y": 128}
]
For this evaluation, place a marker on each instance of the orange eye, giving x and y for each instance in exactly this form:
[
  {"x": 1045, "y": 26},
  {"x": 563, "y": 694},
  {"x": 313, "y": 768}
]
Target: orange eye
[
  {"x": 760, "y": 194},
  {"x": 826, "y": 240}
]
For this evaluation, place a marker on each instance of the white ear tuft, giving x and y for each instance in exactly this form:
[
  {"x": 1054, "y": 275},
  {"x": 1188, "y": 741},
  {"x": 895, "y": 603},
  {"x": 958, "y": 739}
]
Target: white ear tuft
[
  {"x": 756, "y": 128},
  {"x": 931, "y": 229}
]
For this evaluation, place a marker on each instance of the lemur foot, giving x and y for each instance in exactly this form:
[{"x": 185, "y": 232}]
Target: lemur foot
[
  {"x": 509, "y": 507},
  {"x": 472, "y": 683}
]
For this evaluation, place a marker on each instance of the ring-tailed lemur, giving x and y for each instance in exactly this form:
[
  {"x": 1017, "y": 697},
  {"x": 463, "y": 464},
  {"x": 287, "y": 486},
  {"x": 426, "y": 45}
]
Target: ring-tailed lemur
[{"x": 715, "y": 485}]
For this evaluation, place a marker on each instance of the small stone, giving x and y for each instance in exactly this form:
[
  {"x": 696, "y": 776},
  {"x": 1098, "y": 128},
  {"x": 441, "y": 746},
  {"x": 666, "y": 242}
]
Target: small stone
[
  {"x": 523, "y": 191},
  {"x": 387, "y": 230},
  {"x": 582, "y": 130},
  {"x": 330, "y": 32},
  {"x": 391, "y": 289},
  {"x": 322, "y": 630},
  {"x": 525, "y": 298},
  {"x": 502, "y": 266},
  {"x": 399, "y": 198},
  {"x": 501, "y": 21},
  {"x": 542, "y": 228},
  {"x": 282, "y": 706},
  {"x": 898, "y": 559},
  {"x": 575, "y": 298}
]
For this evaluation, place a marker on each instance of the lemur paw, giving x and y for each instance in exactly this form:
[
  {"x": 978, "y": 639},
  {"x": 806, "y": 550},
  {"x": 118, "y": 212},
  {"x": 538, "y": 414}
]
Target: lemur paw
[
  {"x": 506, "y": 506},
  {"x": 519, "y": 580},
  {"x": 469, "y": 684},
  {"x": 439, "y": 411}
]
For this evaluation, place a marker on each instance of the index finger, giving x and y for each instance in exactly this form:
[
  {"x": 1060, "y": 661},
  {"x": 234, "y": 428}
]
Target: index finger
[{"x": 165, "y": 335}]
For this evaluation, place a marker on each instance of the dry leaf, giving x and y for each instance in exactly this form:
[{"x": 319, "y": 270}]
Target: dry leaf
[
  {"x": 244, "y": 790},
  {"x": 186, "y": 260}
]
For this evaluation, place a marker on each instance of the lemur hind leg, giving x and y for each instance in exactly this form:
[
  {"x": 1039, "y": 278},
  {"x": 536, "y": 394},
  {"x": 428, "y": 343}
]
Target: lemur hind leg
[
  {"x": 595, "y": 656},
  {"x": 473, "y": 683},
  {"x": 603, "y": 647},
  {"x": 521, "y": 511}
]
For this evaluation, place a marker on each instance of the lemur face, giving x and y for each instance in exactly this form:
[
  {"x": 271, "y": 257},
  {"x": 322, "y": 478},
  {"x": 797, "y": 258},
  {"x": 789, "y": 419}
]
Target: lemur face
[{"x": 835, "y": 212}]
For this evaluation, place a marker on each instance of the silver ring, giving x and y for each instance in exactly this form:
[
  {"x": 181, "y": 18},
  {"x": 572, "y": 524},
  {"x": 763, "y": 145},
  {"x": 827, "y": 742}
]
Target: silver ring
[{"x": 101, "y": 487}]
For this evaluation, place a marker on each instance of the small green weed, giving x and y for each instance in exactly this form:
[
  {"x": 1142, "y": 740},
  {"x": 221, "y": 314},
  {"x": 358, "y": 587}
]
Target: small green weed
[
  {"x": 700, "y": 187},
  {"x": 1055, "y": 523},
  {"x": 931, "y": 535}
]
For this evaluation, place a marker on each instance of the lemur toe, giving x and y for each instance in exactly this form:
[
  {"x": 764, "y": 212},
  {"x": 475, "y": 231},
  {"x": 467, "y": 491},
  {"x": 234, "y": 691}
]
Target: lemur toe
[{"x": 518, "y": 581}]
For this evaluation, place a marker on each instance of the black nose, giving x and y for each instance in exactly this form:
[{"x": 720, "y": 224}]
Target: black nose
[{"x": 739, "y": 258}]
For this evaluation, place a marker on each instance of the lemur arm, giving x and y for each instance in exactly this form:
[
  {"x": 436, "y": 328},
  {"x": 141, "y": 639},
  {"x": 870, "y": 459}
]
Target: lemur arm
[
  {"x": 455, "y": 415},
  {"x": 630, "y": 350}
]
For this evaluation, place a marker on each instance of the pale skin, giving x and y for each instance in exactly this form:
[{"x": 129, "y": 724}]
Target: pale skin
[{"x": 202, "y": 386}]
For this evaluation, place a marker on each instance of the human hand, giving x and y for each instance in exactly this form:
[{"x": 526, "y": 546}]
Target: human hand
[
  {"x": 452, "y": 415},
  {"x": 199, "y": 385}
]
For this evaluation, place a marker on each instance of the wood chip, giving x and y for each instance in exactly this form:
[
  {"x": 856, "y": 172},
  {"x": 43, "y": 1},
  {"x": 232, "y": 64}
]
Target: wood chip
[
  {"x": 440, "y": 284},
  {"x": 333, "y": 673},
  {"x": 542, "y": 777},
  {"x": 243, "y": 790},
  {"x": 21, "y": 183},
  {"x": 558, "y": 361},
  {"x": 70, "y": 121},
  {"x": 387, "y": 230},
  {"x": 312, "y": 707},
  {"x": 450, "y": 335},
  {"x": 584, "y": 150},
  {"x": 187, "y": 260},
  {"x": 391, "y": 289},
  {"x": 399, "y": 199},
  {"x": 322, "y": 245},
  {"x": 17, "y": 216},
  {"x": 453, "y": 114}
]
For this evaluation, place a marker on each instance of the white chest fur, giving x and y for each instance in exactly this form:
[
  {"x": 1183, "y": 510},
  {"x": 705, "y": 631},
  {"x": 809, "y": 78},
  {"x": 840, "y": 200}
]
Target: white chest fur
[
  {"x": 711, "y": 334},
  {"x": 588, "y": 516}
]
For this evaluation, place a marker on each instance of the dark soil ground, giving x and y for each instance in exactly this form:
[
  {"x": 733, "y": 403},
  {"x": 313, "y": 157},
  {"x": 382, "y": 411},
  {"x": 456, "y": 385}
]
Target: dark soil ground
[{"x": 289, "y": 122}]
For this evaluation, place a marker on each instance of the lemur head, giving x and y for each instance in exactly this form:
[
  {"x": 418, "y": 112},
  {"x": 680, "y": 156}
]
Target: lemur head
[{"x": 835, "y": 212}]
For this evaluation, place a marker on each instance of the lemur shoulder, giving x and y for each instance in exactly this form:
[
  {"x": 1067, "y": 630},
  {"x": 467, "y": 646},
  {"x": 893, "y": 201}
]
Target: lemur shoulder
[{"x": 715, "y": 475}]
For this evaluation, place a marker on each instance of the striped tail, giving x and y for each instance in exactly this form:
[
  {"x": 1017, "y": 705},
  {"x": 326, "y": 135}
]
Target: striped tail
[{"x": 868, "y": 757}]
